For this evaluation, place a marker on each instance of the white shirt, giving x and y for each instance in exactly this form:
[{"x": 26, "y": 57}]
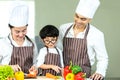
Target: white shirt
[
  {"x": 6, "y": 49},
  {"x": 43, "y": 53},
  {"x": 95, "y": 45}
]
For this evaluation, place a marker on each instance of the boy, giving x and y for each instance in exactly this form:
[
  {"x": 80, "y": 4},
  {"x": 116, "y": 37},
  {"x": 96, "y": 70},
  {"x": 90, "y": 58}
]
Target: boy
[{"x": 50, "y": 58}]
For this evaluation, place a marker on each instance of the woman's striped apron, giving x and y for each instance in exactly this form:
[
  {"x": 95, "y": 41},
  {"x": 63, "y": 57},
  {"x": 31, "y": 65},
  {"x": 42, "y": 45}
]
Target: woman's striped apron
[
  {"x": 52, "y": 59},
  {"x": 75, "y": 50},
  {"x": 23, "y": 56}
]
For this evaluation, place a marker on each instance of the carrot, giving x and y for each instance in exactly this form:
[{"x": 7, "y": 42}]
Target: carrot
[
  {"x": 31, "y": 75},
  {"x": 49, "y": 75}
]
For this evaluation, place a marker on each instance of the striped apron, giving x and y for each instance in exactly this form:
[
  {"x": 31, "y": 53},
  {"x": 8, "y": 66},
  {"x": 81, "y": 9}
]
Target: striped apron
[
  {"x": 53, "y": 59},
  {"x": 23, "y": 56},
  {"x": 75, "y": 50}
]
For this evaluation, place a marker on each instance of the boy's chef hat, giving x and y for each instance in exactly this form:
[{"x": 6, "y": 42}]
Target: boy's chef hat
[
  {"x": 19, "y": 16},
  {"x": 87, "y": 8}
]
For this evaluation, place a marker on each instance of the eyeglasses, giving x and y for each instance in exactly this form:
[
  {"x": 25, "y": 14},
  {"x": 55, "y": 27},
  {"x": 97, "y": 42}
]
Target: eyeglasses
[{"x": 50, "y": 41}]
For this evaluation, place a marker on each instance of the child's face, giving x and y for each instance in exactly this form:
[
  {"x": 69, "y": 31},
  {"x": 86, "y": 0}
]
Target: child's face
[{"x": 50, "y": 41}]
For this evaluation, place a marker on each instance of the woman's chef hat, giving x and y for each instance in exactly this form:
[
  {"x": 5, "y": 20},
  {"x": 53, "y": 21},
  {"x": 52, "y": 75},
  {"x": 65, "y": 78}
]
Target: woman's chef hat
[
  {"x": 19, "y": 16},
  {"x": 87, "y": 8}
]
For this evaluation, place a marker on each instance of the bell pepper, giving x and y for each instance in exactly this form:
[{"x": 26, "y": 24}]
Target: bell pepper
[
  {"x": 76, "y": 69},
  {"x": 80, "y": 76},
  {"x": 70, "y": 76},
  {"x": 66, "y": 71},
  {"x": 19, "y": 75}
]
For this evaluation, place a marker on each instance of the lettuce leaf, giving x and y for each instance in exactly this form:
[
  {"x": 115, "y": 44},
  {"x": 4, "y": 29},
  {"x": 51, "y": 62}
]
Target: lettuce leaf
[{"x": 5, "y": 72}]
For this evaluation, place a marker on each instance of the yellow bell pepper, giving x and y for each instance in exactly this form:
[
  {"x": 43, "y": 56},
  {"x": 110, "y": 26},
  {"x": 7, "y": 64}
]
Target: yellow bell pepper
[
  {"x": 70, "y": 76},
  {"x": 19, "y": 75}
]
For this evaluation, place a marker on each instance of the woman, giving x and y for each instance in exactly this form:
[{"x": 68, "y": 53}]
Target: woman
[
  {"x": 82, "y": 42},
  {"x": 17, "y": 49}
]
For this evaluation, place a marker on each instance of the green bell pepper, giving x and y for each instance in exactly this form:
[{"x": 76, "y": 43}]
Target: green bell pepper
[{"x": 76, "y": 69}]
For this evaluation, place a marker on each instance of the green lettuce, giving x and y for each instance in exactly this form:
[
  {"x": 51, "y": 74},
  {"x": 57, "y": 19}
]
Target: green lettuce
[{"x": 5, "y": 72}]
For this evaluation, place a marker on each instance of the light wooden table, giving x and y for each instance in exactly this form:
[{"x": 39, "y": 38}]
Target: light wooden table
[{"x": 43, "y": 78}]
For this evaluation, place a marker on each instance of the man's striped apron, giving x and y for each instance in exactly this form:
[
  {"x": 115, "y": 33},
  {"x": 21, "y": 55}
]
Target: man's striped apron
[{"x": 75, "y": 50}]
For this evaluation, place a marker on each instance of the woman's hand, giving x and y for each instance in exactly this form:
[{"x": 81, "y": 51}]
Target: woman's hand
[
  {"x": 16, "y": 68},
  {"x": 96, "y": 76},
  {"x": 56, "y": 68}
]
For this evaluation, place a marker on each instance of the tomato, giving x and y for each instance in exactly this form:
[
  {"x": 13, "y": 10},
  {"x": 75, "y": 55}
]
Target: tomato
[{"x": 80, "y": 76}]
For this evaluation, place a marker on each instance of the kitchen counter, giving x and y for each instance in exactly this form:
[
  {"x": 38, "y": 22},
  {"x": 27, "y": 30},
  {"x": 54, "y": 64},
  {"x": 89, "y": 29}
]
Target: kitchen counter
[{"x": 44, "y": 78}]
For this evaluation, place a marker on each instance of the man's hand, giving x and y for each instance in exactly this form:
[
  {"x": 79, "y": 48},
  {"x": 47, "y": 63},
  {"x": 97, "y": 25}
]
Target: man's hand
[{"x": 96, "y": 76}]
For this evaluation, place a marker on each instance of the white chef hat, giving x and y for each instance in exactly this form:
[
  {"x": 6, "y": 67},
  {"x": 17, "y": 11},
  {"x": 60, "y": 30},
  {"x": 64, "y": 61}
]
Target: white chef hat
[
  {"x": 87, "y": 8},
  {"x": 19, "y": 16}
]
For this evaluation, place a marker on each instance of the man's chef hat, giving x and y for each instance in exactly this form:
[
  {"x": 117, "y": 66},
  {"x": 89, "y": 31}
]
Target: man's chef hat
[
  {"x": 19, "y": 16},
  {"x": 87, "y": 8}
]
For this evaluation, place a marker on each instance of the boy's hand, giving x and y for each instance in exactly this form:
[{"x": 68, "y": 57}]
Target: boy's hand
[
  {"x": 56, "y": 68},
  {"x": 33, "y": 70}
]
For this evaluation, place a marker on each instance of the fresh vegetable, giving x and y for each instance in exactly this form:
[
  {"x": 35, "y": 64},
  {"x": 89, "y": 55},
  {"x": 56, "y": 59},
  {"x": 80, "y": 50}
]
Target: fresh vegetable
[
  {"x": 19, "y": 75},
  {"x": 49, "y": 75},
  {"x": 9, "y": 78},
  {"x": 6, "y": 72},
  {"x": 70, "y": 76},
  {"x": 58, "y": 77},
  {"x": 66, "y": 71},
  {"x": 31, "y": 75},
  {"x": 74, "y": 72},
  {"x": 76, "y": 69},
  {"x": 80, "y": 76}
]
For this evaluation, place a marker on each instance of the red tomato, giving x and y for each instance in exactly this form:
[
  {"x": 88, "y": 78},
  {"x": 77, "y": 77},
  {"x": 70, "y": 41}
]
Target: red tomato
[{"x": 79, "y": 76}]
